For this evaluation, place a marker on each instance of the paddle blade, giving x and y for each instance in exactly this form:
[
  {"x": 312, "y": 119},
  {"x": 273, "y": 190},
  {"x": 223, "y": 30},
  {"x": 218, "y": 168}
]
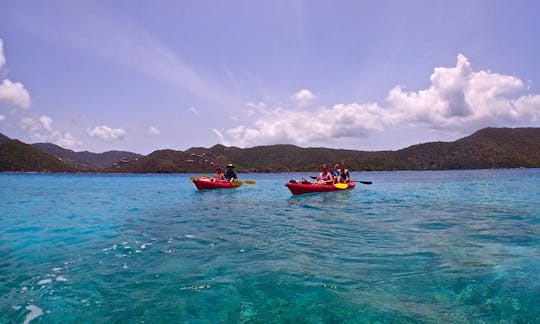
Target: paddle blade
[
  {"x": 251, "y": 182},
  {"x": 365, "y": 182},
  {"x": 341, "y": 185}
]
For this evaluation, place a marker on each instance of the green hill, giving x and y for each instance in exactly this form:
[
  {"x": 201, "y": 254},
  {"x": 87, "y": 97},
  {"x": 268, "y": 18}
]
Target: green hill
[
  {"x": 486, "y": 148},
  {"x": 87, "y": 159},
  {"x": 18, "y": 156}
]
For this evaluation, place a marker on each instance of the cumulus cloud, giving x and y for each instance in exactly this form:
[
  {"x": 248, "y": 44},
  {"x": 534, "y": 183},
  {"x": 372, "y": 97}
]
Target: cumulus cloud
[
  {"x": 42, "y": 130},
  {"x": 2, "y": 118},
  {"x": 14, "y": 93},
  {"x": 303, "y": 97},
  {"x": 457, "y": 100},
  {"x": 106, "y": 133},
  {"x": 153, "y": 130},
  {"x": 303, "y": 127},
  {"x": 459, "y": 97}
]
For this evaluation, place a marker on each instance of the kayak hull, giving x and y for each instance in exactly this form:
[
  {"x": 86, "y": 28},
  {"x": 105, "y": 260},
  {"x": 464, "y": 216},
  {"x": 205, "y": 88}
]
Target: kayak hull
[
  {"x": 305, "y": 188},
  {"x": 206, "y": 184}
]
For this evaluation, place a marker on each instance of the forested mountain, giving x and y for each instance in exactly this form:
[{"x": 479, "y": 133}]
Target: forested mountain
[
  {"x": 486, "y": 148},
  {"x": 87, "y": 159},
  {"x": 18, "y": 156}
]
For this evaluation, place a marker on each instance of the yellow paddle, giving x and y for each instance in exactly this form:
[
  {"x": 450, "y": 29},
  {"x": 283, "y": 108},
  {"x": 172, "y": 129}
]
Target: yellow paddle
[
  {"x": 249, "y": 182},
  {"x": 341, "y": 185}
]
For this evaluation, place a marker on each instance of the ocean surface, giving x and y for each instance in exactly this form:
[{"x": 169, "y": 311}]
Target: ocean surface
[{"x": 413, "y": 247}]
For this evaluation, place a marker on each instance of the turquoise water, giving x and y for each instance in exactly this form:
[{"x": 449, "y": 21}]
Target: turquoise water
[{"x": 449, "y": 246}]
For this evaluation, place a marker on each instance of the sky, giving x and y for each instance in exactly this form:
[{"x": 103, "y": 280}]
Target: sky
[{"x": 366, "y": 75}]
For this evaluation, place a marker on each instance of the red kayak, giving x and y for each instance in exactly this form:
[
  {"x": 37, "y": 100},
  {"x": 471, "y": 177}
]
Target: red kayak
[
  {"x": 205, "y": 183},
  {"x": 298, "y": 188}
]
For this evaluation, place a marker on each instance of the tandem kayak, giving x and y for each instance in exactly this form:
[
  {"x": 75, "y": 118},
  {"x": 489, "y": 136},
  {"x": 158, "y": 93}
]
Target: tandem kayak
[
  {"x": 298, "y": 188},
  {"x": 205, "y": 183}
]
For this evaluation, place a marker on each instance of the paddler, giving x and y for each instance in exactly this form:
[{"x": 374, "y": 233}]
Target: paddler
[{"x": 230, "y": 175}]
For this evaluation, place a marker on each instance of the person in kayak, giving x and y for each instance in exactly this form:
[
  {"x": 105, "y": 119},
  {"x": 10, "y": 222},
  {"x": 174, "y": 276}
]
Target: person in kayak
[
  {"x": 218, "y": 175},
  {"x": 230, "y": 175},
  {"x": 325, "y": 177},
  {"x": 335, "y": 172},
  {"x": 343, "y": 174}
]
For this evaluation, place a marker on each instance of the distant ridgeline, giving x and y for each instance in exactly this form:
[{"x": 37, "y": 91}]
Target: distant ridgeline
[{"x": 487, "y": 148}]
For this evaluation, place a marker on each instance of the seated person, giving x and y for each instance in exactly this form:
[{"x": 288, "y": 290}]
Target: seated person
[
  {"x": 218, "y": 175},
  {"x": 325, "y": 177},
  {"x": 335, "y": 172},
  {"x": 230, "y": 175},
  {"x": 344, "y": 176}
]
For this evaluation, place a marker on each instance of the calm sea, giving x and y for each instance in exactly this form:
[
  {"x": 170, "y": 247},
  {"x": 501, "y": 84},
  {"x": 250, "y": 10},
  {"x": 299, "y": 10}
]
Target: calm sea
[{"x": 435, "y": 247}]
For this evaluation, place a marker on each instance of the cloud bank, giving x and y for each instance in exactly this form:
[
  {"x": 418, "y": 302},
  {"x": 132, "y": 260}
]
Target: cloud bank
[{"x": 458, "y": 100}]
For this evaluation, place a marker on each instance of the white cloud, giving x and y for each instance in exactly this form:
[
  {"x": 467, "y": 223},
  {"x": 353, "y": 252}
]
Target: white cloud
[
  {"x": 2, "y": 118},
  {"x": 41, "y": 130},
  {"x": 193, "y": 110},
  {"x": 2, "y": 57},
  {"x": 303, "y": 97},
  {"x": 67, "y": 140},
  {"x": 14, "y": 94},
  {"x": 458, "y": 100},
  {"x": 303, "y": 127},
  {"x": 153, "y": 130},
  {"x": 106, "y": 133}
]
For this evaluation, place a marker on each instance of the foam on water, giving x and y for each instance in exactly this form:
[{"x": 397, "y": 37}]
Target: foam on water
[
  {"x": 61, "y": 279},
  {"x": 35, "y": 312},
  {"x": 44, "y": 281}
]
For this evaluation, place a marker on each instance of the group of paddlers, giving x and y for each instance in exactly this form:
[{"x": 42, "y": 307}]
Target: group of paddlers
[
  {"x": 228, "y": 176},
  {"x": 328, "y": 175},
  {"x": 332, "y": 175}
]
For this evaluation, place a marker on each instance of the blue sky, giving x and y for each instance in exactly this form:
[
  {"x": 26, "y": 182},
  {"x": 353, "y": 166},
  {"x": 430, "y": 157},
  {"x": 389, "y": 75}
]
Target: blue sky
[{"x": 366, "y": 75}]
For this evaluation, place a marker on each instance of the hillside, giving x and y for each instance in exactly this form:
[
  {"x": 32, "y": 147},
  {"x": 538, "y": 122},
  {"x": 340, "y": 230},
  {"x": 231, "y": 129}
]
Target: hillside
[
  {"x": 486, "y": 148},
  {"x": 273, "y": 158},
  {"x": 87, "y": 159},
  {"x": 18, "y": 156},
  {"x": 4, "y": 138}
]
